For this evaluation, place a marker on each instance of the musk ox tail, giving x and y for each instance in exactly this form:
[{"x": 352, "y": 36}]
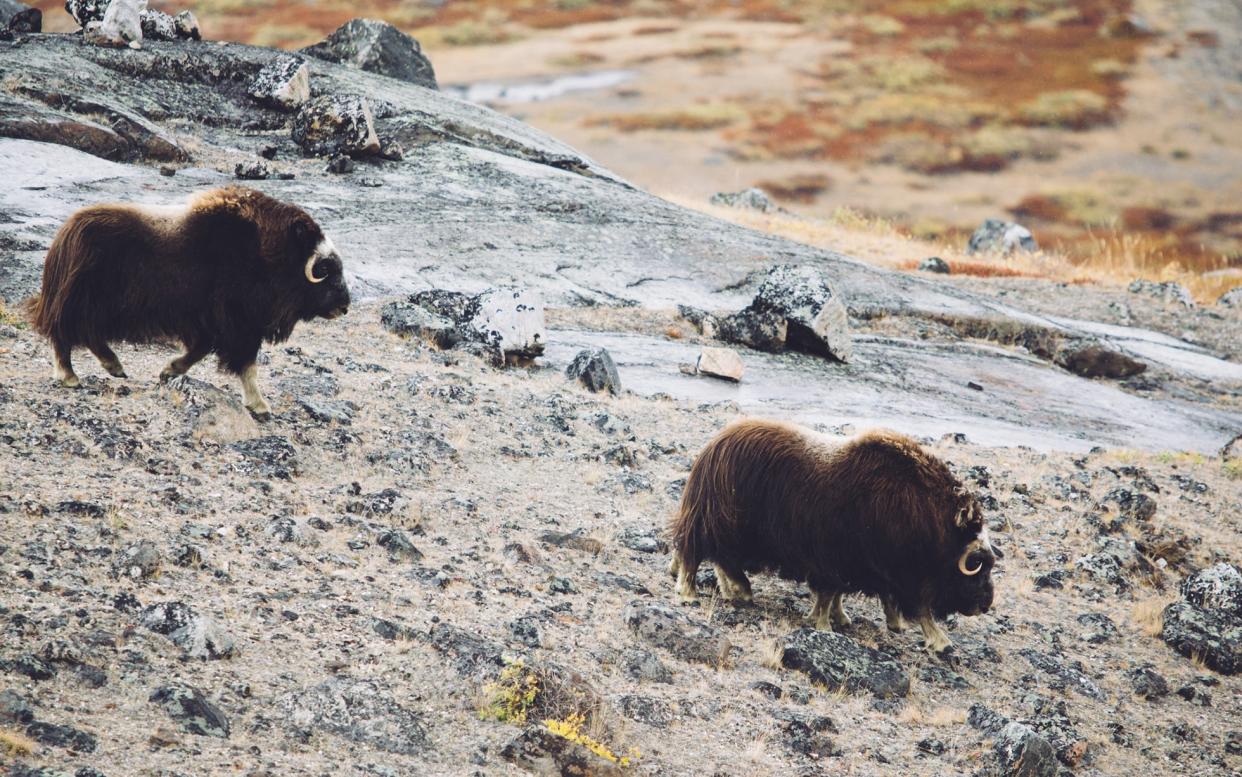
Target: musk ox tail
[
  {"x": 71, "y": 254},
  {"x": 709, "y": 511}
]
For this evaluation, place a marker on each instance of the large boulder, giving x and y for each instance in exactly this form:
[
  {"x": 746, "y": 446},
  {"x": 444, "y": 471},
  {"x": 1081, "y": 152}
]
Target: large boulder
[
  {"x": 837, "y": 661},
  {"x": 1024, "y": 753},
  {"x": 199, "y": 636},
  {"x": 762, "y": 330},
  {"x": 336, "y": 124},
  {"x": 1004, "y": 237},
  {"x": 191, "y": 710},
  {"x": 512, "y": 320},
  {"x": 19, "y": 17},
  {"x": 1207, "y": 623},
  {"x": 595, "y": 369},
  {"x": 814, "y": 312},
  {"x": 376, "y": 47},
  {"x": 495, "y": 324},
  {"x": 283, "y": 83},
  {"x": 670, "y": 629}
]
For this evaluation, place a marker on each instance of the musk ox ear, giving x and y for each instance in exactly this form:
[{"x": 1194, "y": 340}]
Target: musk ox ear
[{"x": 304, "y": 235}]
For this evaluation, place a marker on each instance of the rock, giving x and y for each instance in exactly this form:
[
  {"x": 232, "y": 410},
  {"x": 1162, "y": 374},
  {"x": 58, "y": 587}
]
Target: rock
[
  {"x": 511, "y": 319},
  {"x": 1103, "y": 567},
  {"x": 187, "y": 26},
  {"x": 1099, "y": 628},
  {"x": 807, "y": 734},
  {"x": 645, "y": 666},
  {"x": 191, "y": 710},
  {"x": 29, "y": 666},
  {"x": 574, "y": 541},
  {"x": 525, "y": 631},
  {"x": 283, "y": 83},
  {"x": 645, "y": 709},
  {"x": 1093, "y": 359},
  {"x": 360, "y": 711},
  {"x": 1168, "y": 291},
  {"x": 120, "y": 26},
  {"x": 67, "y": 737},
  {"x": 19, "y": 17},
  {"x": 747, "y": 199},
  {"x": 326, "y": 411},
  {"x": 1219, "y": 587},
  {"x": 411, "y": 319},
  {"x": 495, "y": 323},
  {"x": 335, "y": 124},
  {"x": 86, "y": 11},
  {"x": 377, "y": 47},
  {"x": 1231, "y": 298},
  {"x": 760, "y": 329},
  {"x": 1023, "y": 753},
  {"x": 540, "y": 752},
  {"x": 837, "y": 661},
  {"x": 934, "y": 264},
  {"x": 271, "y": 456},
  {"x": 340, "y": 165},
  {"x": 14, "y": 708},
  {"x": 207, "y": 408},
  {"x": 595, "y": 369},
  {"x": 1071, "y": 676},
  {"x": 1147, "y": 683},
  {"x": 703, "y": 322},
  {"x": 398, "y": 546},
  {"x": 1232, "y": 450},
  {"x": 667, "y": 628},
  {"x": 641, "y": 540},
  {"x": 138, "y": 561},
  {"x": 997, "y": 236},
  {"x": 720, "y": 363},
  {"x": 37, "y": 123},
  {"x": 815, "y": 315},
  {"x": 200, "y": 636},
  {"x": 1131, "y": 505},
  {"x": 157, "y": 25},
  {"x": 252, "y": 171}
]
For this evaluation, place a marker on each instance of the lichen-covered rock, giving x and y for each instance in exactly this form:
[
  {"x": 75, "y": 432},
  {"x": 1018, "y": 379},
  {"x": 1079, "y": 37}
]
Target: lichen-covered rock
[
  {"x": 1024, "y": 753},
  {"x": 1005, "y": 237},
  {"x": 934, "y": 264},
  {"x": 684, "y": 637},
  {"x": 138, "y": 561},
  {"x": 258, "y": 170},
  {"x": 19, "y": 17},
  {"x": 1219, "y": 587},
  {"x": 411, "y": 319},
  {"x": 747, "y": 199},
  {"x": 191, "y": 710},
  {"x": 757, "y": 328},
  {"x": 495, "y": 324},
  {"x": 86, "y": 11},
  {"x": 1207, "y": 624},
  {"x": 336, "y": 124},
  {"x": 1169, "y": 291},
  {"x": 595, "y": 369},
  {"x": 540, "y": 752},
  {"x": 360, "y": 711},
  {"x": 377, "y": 47},
  {"x": 1131, "y": 505},
  {"x": 512, "y": 320},
  {"x": 121, "y": 25},
  {"x": 200, "y": 636},
  {"x": 1147, "y": 682},
  {"x": 837, "y": 661},
  {"x": 157, "y": 25},
  {"x": 815, "y": 314},
  {"x": 1231, "y": 298},
  {"x": 283, "y": 83}
]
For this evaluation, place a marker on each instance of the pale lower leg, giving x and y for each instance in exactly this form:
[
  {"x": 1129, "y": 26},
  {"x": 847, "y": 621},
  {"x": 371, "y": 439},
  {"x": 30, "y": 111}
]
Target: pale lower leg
[
  {"x": 182, "y": 364},
  {"x": 674, "y": 566},
  {"x": 821, "y": 610},
  {"x": 685, "y": 582},
  {"x": 837, "y": 611},
  {"x": 253, "y": 400},
  {"x": 734, "y": 587},
  {"x": 62, "y": 363},
  {"x": 107, "y": 358},
  {"x": 892, "y": 615},
  {"x": 934, "y": 638}
]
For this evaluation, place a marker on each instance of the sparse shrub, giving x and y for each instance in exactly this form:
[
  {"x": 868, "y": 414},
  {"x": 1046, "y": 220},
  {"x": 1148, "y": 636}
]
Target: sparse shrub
[
  {"x": 1075, "y": 109},
  {"x": 571, "y": 728},
  {"x": 15, "y": 743},
  {"x": 511, "y": 697},
  {"x": 12, "y": 317}
]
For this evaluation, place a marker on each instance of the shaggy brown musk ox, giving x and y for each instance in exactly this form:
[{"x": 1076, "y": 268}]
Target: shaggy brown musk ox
[
  {"x": 876, "y": 515},
  {"x": 224, "y": 273}
]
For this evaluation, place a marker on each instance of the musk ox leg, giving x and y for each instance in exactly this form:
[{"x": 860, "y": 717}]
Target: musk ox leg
[
  {"x": 107, "y": 358},
  {"x": 892, "y": 615},
  {"x": 733, "y": 584},
  {"x": 934, "y": 638},
  {"x": 253, "y": 400},
  {"x": 674, "y": 566},
  {"x": 63, "y": 365},
  {"x": 182, "y": 364},
  {"x": 827, "y": 611},
  {"x": 685, "y": 581}
]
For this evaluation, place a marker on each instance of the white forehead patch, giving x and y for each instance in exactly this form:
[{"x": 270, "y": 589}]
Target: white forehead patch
[{"x": 325, "y": 247}]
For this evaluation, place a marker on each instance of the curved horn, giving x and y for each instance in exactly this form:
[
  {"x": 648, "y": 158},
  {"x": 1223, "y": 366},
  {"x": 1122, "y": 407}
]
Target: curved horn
[
  {"x": 310, "y": 270},
  {"x": 961, "y": 565}
]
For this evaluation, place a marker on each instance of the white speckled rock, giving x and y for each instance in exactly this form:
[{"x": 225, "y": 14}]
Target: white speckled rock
[
  {"x": 121, "y": 25},
  {"x": 512, "y": 319},
  {"x": 284, "y": 83}
]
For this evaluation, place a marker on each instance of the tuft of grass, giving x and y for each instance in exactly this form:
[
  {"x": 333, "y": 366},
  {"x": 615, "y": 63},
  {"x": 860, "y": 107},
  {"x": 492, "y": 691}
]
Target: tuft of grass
[
  {"x": 694, "y": 118},
  {"x": 16, "y": 743},
  {"x": 511, "y": 697},
  {"x": 881, "y": 26},
  {"x": 1075, "y": 109},
  {"x": 1148, "y": 615},
  {"x": 1233, "y": 469}
]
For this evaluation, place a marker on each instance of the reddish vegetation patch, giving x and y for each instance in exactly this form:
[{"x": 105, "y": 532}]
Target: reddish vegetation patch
[
  {"x": 1146, "y": 219},
  {"x": 978, "y": 269},
  {"x": 798, "y": 188}
]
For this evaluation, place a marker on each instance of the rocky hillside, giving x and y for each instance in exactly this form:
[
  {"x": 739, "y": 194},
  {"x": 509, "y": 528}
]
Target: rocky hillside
[{"x": 429, "y": 564}]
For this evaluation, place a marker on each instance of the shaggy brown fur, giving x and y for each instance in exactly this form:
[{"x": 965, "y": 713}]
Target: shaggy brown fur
[
  {"x": 875, "y": 515},
  {"x": 223, "y": 274}
]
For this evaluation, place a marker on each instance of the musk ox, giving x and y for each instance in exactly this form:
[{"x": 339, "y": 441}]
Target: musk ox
[
  {"x": 223, "y": 273},
  {"x": 876, "y": 515}
]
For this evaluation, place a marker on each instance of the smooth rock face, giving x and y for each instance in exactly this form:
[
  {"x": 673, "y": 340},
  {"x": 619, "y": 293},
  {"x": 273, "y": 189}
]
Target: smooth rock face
[
  {"x": 816, "y": 317},
  {"x": 839, "y": 662},
  {"x": 336, "y": 124},
  {"x": 494, "y": 324},
  {"x": 667, "y": 628},
  {"x": 19, "y": 17},
  {"x": 595, "y": 369},
  {"x": 1023, "y": 753},
  {"x": 377, "y": 47},
  {"x": 284, "y": 83},
  {"x": 1169, "y": 291},
  {"x": 512, "y": 320},
  {"x": 720, "y": 363},
  {"x": 747, "y": 199},
  {"x": 193, "y": 713},
  {"x": 995, "y": 235}
]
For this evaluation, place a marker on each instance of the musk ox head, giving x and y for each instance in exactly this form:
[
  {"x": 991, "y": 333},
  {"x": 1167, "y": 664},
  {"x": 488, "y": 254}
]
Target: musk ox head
[
  {"x": 967, "y": 575},
  {"x": 315, "y": 271}
]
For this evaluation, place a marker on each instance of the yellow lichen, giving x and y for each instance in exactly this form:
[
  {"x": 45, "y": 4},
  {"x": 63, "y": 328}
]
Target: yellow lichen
[{"x": 571, "y": 729}]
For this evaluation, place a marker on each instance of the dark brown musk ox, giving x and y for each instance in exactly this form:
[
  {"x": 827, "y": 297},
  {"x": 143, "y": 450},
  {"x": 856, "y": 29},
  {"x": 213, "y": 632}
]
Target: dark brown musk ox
[
  {"x": 223, "y": 273},
  {"x": 875, "y": 514}
]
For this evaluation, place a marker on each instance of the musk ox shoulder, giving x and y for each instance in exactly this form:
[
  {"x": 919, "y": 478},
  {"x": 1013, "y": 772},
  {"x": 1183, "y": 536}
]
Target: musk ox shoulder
[
  {"x": 875, "y": 514},
  {"x": 223, "y": 273}
]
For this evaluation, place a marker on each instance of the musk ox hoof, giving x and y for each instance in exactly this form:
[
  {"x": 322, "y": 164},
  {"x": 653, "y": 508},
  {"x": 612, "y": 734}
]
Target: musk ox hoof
[
  {"x": 948, "y": 656},
  {"x": 260, "y": 414},
  {"x": 69, "y": 381},
  {"x": 167, "y": 375},
  {"x": 116, "y": 371}
]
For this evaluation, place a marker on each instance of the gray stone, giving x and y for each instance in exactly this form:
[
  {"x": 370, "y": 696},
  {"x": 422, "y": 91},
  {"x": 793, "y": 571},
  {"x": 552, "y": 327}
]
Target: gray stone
[
  {"x": 191, "y": 710},
  {"x": 998, "y": 236},
  {"x": 14, "y": 708},
  {"x": 138, "y": 561},
  {"x": 199, "y": 636},
  {"x": 283, "y": 83},
  {"x": 157, "y": 25},
  {"x": 86, "y": 11},
  {"x": 1169, "y": 291},
  {"x": 1063, "y": 675},
  {"x": 57, "y": 735},
  {"x": 398, "y": 545},
  {"x": 512, "y": 320},
  {"x": 646, "y": 709},
  {"x": 641, "y": 540},
  {"x": 358, "y": 710},
  {"x": 1147, "y": 682},
  {"x": 595, "y": 369},
  {"x": 257, "y": 170},
  {"x": 814, "y": 312},
  {"x": 540, "y": 752},
  {"x": 1023, "y": 753},
  {"x": 377, "y": 47},
  {"x": 758, "y": 328},
  {"x": 19, "y": 17},
  {"x": 121, "y": 25},
  {"x": 747, "y": 199},
  {"x": 495, "y": 323},
  {"x": 643, "y": 665},
  {"x": 1131, "y": 505},
  {"x": 684, "y": 637},
  {"x": 336, "y": 124},
  {"x": 270, "y": 456},
  {"x": 411, "y": 319},
  {"x": 934, "y": 264},
  {"x": 187, "y": 26},
  {"x": 1099, "y": 628},
  {"x": 1218, "y": 587},
  {"x": 837, "y": 661},
  {"x": 721, "y": 363},
  {"x": 1231, "y": 298}
]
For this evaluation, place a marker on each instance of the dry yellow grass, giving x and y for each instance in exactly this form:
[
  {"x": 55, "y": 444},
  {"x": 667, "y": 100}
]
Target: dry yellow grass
[
  {"x": 16, "y": 743},
  {"x": 914, "y": 715},
  {"x": 1148, "y": 614}
]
